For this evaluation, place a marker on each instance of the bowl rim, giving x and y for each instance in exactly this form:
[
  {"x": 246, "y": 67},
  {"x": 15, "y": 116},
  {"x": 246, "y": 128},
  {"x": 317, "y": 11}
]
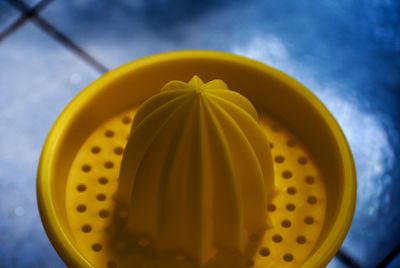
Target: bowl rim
[{"x": 45, "y": 196}]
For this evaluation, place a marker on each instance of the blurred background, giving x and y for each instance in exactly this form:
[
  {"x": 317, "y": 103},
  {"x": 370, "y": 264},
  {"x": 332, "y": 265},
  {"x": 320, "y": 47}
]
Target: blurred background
[{"x": 346, "y": 51}]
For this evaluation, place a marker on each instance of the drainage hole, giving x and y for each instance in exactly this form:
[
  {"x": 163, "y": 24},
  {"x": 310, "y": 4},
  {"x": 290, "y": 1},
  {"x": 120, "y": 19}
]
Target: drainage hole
[
  {"x": 101, "y": 197},
  {"x": 104, "y": 213},
  {"x": 265, "y": 252},
  {"x": 81, "y": 208},
  {"x": 95, "y": 149},
  {"x": 271, "y": 207},
  {"x": 86, "y": 228},
  {"x": 108, "y": 164},
  {"x": 309, "y": 220},
  {"x": 279, "y": 159},
  {"x": 81, "y": 187},
  {"x": 111, "y": 264},
  {"x": 310, "y": 179},
  {"x": 302, "y": 160},
  {"x": 312, "y": 200},
  {"x": 288, "y": 257},
  {"x": 271, "y": 145},
  {"x": 118, "y": 150},
  {"x": 86, "y": 168},
  {"x": 287, "y": 174},
  {"x": 109, "y": 133},
  {"x": 103, "y": 180},
  {"x": 291, "y": 190},
  {"x": 126, "y": 120},
  {"x": 97, "y": 247},
  {"x": 286, "y": 223},
  {"x": 277, "y": 238},
  {"x": 290, "y": 207},
  {"x": 301, "y": 239}
]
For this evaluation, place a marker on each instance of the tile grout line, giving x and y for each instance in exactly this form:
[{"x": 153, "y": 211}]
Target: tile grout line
[
  {"x": 32, "y": 14},
  {"x": 345, "y": 258},
  {"x": 69, "y": 44},
  {"x": 13, "y": 27},
  {"x": 23, "y": 18},
  {"x": 390, "y": 257},
  {"x": 21, "y": 6}
]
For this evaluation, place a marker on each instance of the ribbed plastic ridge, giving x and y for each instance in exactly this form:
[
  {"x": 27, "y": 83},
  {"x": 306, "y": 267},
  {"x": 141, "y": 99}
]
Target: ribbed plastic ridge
[{"x": 197, "y": 172}]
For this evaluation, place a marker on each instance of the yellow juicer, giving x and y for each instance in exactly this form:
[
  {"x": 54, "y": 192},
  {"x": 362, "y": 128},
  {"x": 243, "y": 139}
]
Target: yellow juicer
[{"x": 231, "y": 164}]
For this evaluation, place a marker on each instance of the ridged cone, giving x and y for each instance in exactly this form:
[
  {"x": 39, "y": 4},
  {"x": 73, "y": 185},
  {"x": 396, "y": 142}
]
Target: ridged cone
[{"x": 197, "y": 172}]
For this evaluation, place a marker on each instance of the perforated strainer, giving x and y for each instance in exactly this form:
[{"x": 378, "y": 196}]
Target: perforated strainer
[{"x": 309, "y": 214}]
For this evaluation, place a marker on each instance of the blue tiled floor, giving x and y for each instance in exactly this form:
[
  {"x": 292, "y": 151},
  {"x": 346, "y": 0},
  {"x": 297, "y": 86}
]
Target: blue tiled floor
[
  {"x": 346, "y": 52},
  {"x": 31, "y": 3},
  {"x": 37, "y": 81},
  {"x": 335, "y": 263},
  {"x": 7, "y": 15},
  {"x": 395, "y": 263}
]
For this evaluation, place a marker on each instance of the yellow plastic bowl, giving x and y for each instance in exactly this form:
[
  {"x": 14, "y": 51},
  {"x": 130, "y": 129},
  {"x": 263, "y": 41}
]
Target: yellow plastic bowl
[{"x": 269, "y": 89}]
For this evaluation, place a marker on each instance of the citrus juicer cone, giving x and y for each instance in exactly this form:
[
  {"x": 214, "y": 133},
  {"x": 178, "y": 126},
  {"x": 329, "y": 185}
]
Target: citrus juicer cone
[
  {"x": 231, "y": 164},
  {"x": 209, "y": 191}
]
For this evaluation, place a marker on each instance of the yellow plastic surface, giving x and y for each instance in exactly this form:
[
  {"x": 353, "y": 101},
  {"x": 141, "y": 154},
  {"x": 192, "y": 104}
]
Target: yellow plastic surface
[
  {"x": 197, "y": 171},
  {"x": 78, "y": 171},
  {"x": 296, "y": 212}
]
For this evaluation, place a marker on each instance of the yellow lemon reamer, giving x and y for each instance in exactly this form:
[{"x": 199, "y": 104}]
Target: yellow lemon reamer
[{"x": 231, "y": 164}]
